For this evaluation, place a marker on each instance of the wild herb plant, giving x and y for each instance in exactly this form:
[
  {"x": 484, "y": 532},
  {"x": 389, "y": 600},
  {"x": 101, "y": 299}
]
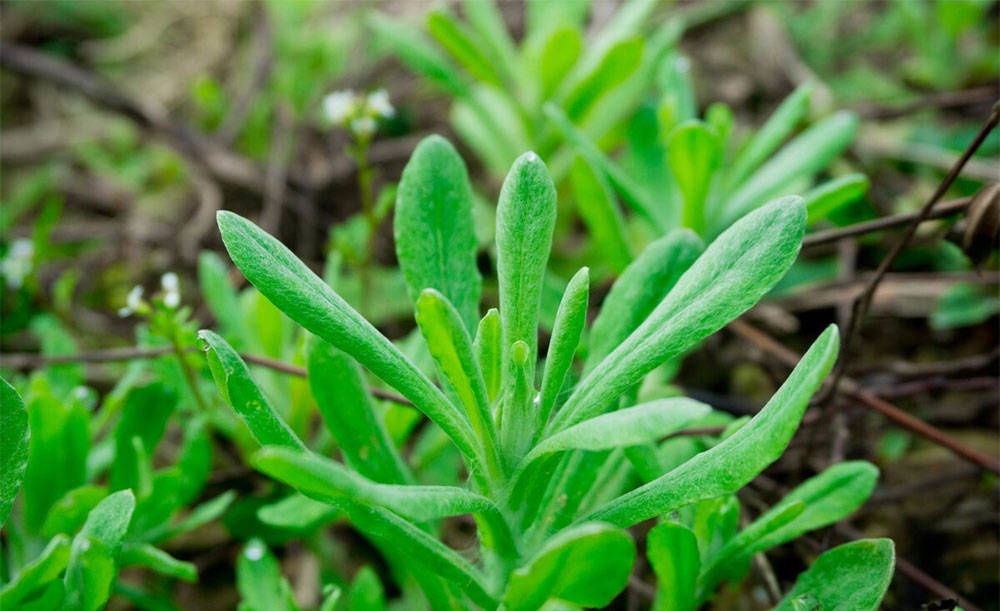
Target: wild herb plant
[{"x": 544, "y": 532}]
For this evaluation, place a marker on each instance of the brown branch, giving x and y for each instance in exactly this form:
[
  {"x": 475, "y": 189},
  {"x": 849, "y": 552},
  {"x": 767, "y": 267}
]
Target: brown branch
[
  {"x": 790, "y": 358},
  {"x": 939, "y": 100},
  {"x": 939, "y": 211},
  {"x": 863, "y": 301}
]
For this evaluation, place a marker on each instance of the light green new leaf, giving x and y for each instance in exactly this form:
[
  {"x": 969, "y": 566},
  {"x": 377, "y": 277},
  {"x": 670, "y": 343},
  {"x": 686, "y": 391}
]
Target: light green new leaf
[
  {"x": 598, "y": 207},
  {"x": 259, "y": 580},
  {"x": 694, "y": 153},
  {"x": 807, "y": 154},
  {"x": 640, "y": 288},
  {"x": 620, "y": 62},
  {"x": 487, "y": 347},
  {"x": 852, "y": 576},
  {"x": 417, "y": 53},
  {"x": 487, "y": 21},
  {"x": 832, "y": 194},
  {"x": 434, "y": 230},
  {"x": 14, "y": 436},
  {"x": 367, "y": 593},
  {"x": 305, "y": 298},
  {"x": 457, "y": 40},
  {"x": 585, "y": 565},
  {"x": 526, "y": 215},
  {"x": 558, "y": 56},
  {"x": 765, "y": 141},
  {"x": 298, "y": 512},
  {"x": 44, "y": 569},
  {"x": 155, "y": 559},
  {"x": 241, "y": 392},
  {"x": 91, "y": 570},
  {"x": 672, "y": 550},
  {"x": 570, "y": 320},
  {"x": 728, "y": 466},
  {"x": 351, "y": 417},
  {"x": 731, "y": 276}
]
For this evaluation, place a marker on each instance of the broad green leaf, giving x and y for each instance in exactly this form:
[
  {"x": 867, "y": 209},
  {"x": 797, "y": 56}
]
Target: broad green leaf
[
  {"x": 570, "y": 320},
  {"x": 367, "y": 593},
  {"x": 94, "y": 555},
  {"x": 70, "y": 512},
  {"x": 557, "y": 59},
  {"x": 144, "y": 415},
  {"x": 694, "y": 153},
  {"x": 243, "y": 395},
  {"x": 458, "y": 41},
  {"x": 304, "y": 297},
  {"x": 765, "y": 141},
  {"x": 599, "y": 209},
  {"x": 220, "y": 295},
  {"x": 351, "y": 416},
  {"x": 417, "y": 53},
  {"x": 259, "y": 580},
  {"x": 728, "y": 466},
  {"x": 727, "y": 279},
  {"x": 586, "y": 565},
  {"x": 434, "y": 230},
  {"x": 807, "y": 154},
  {"x": 145, "y": 555},
  {"x": 450, "y": 345},
  {"x": 14, "y": 436},
  {"x": 672, "y": 550},
  {"x": 832, "y": 194},
  {"x": 44, "y": 569},
  {"x": 618, "y": 64},
  {"x": 852, "y": 576},
  {"x": 639, "y": 289},
  {"x": 488, "y": 352},
  {"x": 526, "y": 215}
]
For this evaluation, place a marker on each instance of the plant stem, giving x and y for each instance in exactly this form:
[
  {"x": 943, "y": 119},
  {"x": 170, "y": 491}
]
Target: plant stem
[{"x": 189, "y": 376}]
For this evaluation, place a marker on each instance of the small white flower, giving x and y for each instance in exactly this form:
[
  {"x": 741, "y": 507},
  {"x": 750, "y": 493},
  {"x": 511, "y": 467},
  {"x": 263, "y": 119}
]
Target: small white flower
[
  {"x": 364, "y": 126},
  {"x": 171, "y": 290},
  {"x": 378, "y": 103},
  {"x": 16, "y": 266},
  {"x": 254, "y": 550},
  {"x": 132, "y": 303},
  {"x": 340, "y": 105}
]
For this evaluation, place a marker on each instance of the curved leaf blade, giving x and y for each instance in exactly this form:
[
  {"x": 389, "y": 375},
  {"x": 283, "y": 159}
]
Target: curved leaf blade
[
  {"x": 855, "y": 575},
  {"x": 570, "y": 320},
  {"x": 14, "y": 435}
]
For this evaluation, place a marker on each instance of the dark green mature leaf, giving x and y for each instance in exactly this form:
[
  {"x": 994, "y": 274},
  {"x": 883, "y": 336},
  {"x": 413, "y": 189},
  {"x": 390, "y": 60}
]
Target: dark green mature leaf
[
  {"x": 94, "y": 555},
  {"x": 259, "y": 580},
  {"x": 640, "y": 288},
  {"x": 241, "y": 392},
  {"x": 570, "y": 320},
  {"x": 526, "y": 215},
  {"x": 694, "y": 153},
  {"x": 450, "y": 345},
  {"x": 852, "y": 576},
  {"x": 585, "y": 565},
  {"x": 598, "y": 207},
  {"x": 434, "y": 230},
  {"x": 351, "y": 417},
  {"x": 305, "y": 298},
  {"x": 144, "y": 415},
  {"x": 14, "y": 436},
  {"x": 42, "y": 570},
  {"x": 728, "y": 466},
  {"x": 808, "y": 153},
  {"x": 731, "y": 276},
  {"x": 672, "y": 550}
]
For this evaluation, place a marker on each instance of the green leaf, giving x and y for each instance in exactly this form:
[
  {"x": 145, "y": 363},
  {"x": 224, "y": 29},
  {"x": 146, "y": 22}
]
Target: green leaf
[
  {"x": 351, "y": 416},
  {"x": 417, "y": 53},
  {"x": 434, "y": 229},
  {"x": 640, "y": 288},
  {"x": 259, "y": 580},
  {"x": 144, "y": 415},
  {"x": 731, "y": 276},
  {"x": 450, "y": 345},
  {"x": 694, "y": 153},
  {"x": 14, "y": 436},
  {"x": 298, "y": 512},
  {"x": 853, "y": 576},
  {"x": 487, "y": 21},
  {"x": 807, "y": 154},
  {"x": 832, "y": 194},
  {"x": 728, "y": 466},
  {"x": 367, "y": 593},
  {"x": 145, "y": 555},
  {"x": 765, "y": 141},
  {"x": 570, "y": 320},
  {"x": 42, "y": 570},
  {"x": 618, "y": 64},
  {"x": 92, "y": 564},
  {"x": 457, "y": 40},
  {"x": 672, "y": 550},
  {"x": 488, "y": 352},
  {"x": 559, "y": 55},
  {"x": 526, "y": 215},
  {"x": 70, "y": 512},
  {"x": 585, "y": 565},
  {"x": 305, "y": 298},
  {"x": 599, "y": 209},
  {"x": 241, "y": 392},
  {"x": 200, "y": 515}
]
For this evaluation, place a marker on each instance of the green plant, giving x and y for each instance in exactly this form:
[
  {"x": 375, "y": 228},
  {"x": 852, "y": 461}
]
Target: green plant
[{"x": 544, "y": 532}]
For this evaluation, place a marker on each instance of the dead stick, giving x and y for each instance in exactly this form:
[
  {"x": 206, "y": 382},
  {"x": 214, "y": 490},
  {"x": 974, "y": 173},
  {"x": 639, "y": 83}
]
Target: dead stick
[{"x": 939, "y": 211}]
